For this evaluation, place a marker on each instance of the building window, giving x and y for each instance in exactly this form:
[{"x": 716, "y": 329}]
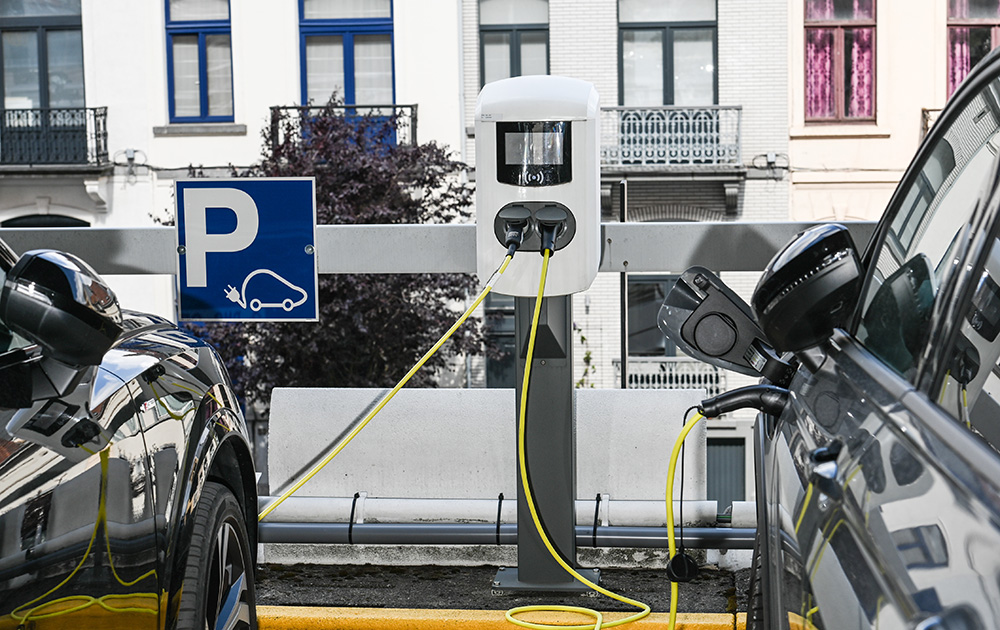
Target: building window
[
  {"x": 501, "y": 366},
  {"x": 973, "y": 31},
  {"x": 840, "y": 60},
  {"x": 347, "y": 51},
  {"x": 645, "y": 297},
  {"x": 667, "y": 51},
  {"x": 41, "y": 48},
  {"x": 513, "y": 38},
  {"x": 199, "y": 61}
]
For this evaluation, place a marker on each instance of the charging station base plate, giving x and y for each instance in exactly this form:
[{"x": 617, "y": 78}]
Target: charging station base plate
[{"x": 507, "y": 580}]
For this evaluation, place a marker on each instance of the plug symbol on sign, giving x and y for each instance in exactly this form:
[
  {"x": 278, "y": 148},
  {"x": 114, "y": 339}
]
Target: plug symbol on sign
[{"x": 240, "y": 297}]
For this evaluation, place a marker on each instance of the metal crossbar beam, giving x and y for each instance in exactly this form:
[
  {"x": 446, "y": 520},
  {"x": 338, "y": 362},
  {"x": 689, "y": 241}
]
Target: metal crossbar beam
[{"x": 632, "y": 247}]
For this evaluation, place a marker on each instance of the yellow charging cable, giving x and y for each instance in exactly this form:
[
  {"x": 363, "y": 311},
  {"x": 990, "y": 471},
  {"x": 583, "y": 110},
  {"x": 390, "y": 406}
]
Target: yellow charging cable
[
  {"x": 671, "y": 542},
  {"x": 522, "y": 413},
  {"x": 385, "y": 399}
]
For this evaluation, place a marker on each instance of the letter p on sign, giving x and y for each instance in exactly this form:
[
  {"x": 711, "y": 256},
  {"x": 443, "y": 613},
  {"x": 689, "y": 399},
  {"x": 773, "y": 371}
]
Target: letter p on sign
[{"x": 197, "y": 201}]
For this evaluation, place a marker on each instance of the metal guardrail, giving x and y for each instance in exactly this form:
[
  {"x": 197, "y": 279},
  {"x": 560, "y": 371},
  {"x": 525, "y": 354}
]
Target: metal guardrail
[
  {"x": 297, "y": 119},
  {"x": 632, "y": 247},
  {"x": 671, "y": 136},
  {"x": 72, "y": 135},
  {"x": 673, "y": 373}
]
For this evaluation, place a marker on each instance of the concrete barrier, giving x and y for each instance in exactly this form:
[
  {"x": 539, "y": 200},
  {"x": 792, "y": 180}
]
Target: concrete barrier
[{"x": 461, "y": 444}]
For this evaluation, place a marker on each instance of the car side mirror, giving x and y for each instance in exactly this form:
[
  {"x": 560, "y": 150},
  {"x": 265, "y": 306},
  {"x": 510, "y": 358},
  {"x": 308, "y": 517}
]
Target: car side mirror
[
  {"x": 809, "y": 288},
  {"x": 59, "y": 302},
  {"x": 709, "y": 322}
]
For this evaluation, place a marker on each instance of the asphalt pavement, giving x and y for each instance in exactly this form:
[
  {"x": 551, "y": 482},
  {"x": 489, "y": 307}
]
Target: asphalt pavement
[{"x": 437, "y": 587}]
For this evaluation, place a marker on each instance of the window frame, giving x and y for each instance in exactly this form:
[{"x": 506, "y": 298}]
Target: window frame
[
  {"x": 201, "y": 28},
  {"x": 41, "y": 25},
  {"x": 668, "y": 29},
  {"x": 951, "y": 23},
  {"x": 839, "y": 65},
  {"x": 346, "y": 29},
  {"x": 515, "y": 31}
]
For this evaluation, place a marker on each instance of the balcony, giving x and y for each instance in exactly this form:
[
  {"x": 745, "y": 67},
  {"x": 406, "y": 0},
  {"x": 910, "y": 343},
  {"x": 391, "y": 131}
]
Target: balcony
[
  {"x": 671, "y": 138},
  {"x": 297, "y": 119},
  {"x": 673, "y": 373},
  {"x": 75, "y": 136}
]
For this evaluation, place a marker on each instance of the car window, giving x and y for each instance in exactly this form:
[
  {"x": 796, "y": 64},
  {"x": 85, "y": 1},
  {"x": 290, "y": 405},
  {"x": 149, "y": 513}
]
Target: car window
[{"x": 922, "y": 240}]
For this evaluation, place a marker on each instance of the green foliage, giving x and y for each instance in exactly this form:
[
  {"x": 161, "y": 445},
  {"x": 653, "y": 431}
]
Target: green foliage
[
  {"x": 372, "y": 328},
  {"x": 589, "y": 368}
]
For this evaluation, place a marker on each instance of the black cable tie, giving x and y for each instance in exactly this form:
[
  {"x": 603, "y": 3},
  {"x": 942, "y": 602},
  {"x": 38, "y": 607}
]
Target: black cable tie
[
  {"x": 499, "y": 510},
  {"x": 350, "y": 523},
  {"x": 597, "y": 513}
]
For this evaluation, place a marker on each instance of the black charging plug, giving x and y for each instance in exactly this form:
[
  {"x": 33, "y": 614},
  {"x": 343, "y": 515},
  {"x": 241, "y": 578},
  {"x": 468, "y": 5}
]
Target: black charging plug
[
  {"x": 766, "y": 398},
  {"x": 516, "y": 226},
  {"x": 551, "y": 223},
  {"x": 549, "y": 231}
]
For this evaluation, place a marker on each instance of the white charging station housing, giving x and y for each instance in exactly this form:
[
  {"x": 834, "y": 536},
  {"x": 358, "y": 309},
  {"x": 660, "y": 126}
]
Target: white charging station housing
[{"x": 537, "y": 149}]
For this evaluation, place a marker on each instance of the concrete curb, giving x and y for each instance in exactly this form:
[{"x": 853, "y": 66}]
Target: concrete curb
[{"x": 322, "y": 618}]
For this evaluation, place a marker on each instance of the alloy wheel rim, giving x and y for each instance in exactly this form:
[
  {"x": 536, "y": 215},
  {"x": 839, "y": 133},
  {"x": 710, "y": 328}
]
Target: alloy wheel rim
[{"x": 227, "y": 607}]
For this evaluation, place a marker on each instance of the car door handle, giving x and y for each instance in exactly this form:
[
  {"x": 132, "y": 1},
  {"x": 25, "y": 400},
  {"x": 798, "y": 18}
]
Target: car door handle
[{"x": 824, "y": 470}]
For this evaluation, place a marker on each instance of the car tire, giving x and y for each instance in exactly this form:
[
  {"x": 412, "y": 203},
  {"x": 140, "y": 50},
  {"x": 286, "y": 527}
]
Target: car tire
[
  {"x": 755, "y": 598},
  {"x": 218, "y": 591}
]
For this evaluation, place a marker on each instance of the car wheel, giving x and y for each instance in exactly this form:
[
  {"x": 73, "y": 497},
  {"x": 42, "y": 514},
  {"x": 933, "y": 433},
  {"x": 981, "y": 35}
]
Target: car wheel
[
  {"x": 755, "y": 598},
  {"x": 218, "y": 591}
]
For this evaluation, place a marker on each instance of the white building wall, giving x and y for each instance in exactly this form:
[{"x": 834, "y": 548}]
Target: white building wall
[
  {"x": 428, "y": 69},
  {"x": 849, "y": 171},
  {"x": 753, "y": 73},
  {"x": 583, "y": 44}
]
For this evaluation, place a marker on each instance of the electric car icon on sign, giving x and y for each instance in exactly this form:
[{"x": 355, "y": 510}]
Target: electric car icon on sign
[{"x": 240, "y": 297}]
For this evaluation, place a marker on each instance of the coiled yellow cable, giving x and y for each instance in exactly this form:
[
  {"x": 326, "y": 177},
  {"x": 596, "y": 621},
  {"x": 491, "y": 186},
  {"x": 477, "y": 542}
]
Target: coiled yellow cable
[
  {"x": 385, "y": 399},
  {"x": 598, "y": 617}
]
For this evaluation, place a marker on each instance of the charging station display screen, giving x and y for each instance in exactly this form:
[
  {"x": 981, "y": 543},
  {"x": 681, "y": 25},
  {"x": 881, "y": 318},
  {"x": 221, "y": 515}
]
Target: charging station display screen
[
  {"x": 533, "y": 148},
  {"x": 534, "y": 153}
]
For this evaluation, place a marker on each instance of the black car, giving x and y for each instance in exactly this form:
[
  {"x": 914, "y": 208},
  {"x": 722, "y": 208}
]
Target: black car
[
  {"x": 127, "y": 488},
  {"x": 878, "y": 475}
]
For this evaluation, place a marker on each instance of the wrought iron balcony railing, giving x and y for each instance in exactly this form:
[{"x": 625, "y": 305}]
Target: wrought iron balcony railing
[
  {"x": 673, "y": 373},
  {"x": 64, "y": 136},
  {"x": 401, "y": 120},
  {"x": 671, "y": 136}
]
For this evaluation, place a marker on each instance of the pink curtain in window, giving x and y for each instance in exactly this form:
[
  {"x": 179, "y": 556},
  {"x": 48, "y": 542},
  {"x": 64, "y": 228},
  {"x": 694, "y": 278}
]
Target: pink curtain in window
[
  {"x": 819, "y": 9},
  {"x": 863, "y": 9},
  {"x": 819, "y": 73},
  {"x": 959, "y": 60},
  {"x": 862, "y": 79}
]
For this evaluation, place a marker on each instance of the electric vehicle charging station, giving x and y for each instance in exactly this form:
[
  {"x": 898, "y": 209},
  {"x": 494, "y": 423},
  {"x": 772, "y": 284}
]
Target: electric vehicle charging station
[{"x": 538, "y": 168}]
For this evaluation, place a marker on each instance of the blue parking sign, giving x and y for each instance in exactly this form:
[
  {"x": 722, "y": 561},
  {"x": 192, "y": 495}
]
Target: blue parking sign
[{"x": 246, "y": 249}]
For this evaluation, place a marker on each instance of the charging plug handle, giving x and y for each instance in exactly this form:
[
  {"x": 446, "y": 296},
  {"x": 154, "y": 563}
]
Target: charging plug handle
[
  {"x": 767, "y": 398},
  {"x": 516, "y": 219},
  {"x": 551, "y": 223}
]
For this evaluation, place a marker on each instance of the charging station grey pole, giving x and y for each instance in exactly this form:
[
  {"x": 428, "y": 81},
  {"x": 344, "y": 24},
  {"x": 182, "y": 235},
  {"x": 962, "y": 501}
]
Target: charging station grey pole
[{"x": 550, "y": 451}]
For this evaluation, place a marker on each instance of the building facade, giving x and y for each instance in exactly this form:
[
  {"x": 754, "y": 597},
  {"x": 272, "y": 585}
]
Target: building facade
[{"x": 869, "y": 78}]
